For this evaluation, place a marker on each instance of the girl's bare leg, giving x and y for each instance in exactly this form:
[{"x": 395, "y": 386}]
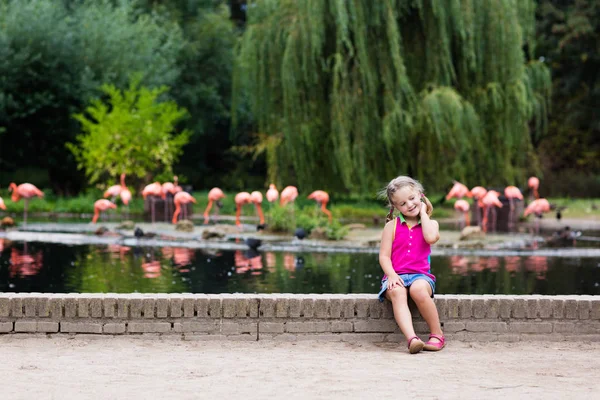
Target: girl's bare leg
[
  {"x": 399, "y": 298},
  {"x": 420, "y": 292}
]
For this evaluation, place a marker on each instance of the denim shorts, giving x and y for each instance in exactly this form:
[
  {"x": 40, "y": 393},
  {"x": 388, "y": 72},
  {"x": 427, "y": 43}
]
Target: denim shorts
[{"x": 408, "y": 280}]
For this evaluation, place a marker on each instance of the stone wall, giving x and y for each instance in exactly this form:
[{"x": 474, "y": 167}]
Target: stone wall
[{"x": 354, "y": 317}]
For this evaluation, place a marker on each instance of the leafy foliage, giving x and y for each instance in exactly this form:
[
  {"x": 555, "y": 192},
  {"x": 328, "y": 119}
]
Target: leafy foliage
[{"x": 133, "y": 134}]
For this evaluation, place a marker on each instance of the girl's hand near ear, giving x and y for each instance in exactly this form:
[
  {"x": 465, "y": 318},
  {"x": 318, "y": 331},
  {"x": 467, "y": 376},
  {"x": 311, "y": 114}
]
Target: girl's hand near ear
[{"x": 423, "y": 210}]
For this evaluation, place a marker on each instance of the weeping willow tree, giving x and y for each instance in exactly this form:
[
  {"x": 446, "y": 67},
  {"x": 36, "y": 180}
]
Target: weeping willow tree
[{"x": 348, "y": 94}]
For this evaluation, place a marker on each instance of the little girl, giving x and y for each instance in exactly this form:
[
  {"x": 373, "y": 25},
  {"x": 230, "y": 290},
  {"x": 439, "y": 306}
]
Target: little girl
[{"x": 405, "y": 259}]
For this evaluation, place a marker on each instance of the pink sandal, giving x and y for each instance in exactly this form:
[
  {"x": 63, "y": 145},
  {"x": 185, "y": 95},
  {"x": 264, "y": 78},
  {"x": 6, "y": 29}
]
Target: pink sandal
[
  {"x": 435, "y": 346},
  {"x": 415, "y": 346}
]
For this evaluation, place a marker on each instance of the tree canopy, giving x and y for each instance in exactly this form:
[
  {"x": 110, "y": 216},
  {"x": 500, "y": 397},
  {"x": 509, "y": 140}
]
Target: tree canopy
[{"x": 348, "y": 94}]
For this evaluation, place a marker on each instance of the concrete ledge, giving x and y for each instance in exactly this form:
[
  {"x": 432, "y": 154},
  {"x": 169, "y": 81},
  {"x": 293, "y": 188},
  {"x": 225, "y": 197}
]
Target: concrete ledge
[{"x": 288, "y": 317}]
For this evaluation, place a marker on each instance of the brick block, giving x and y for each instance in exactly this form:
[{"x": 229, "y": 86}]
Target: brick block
[
  {"x": 478, "y": 308},
  {"x": 308, "y": 307},
  {"x": 202, "y": 307},
  {"x": 25, "y": 326},
  {"x": 571, "y": 309},
  {"x": 583, "y": 308},
  {"x": 505, "y": 308},
  {"x": 295, "y": 308},
  {"x": 162, "y": 307},
  {"x": 47, "y": 326},
  {"x": 114, "y": 328},
  {"x": 442, "y": 306},
  {"x": 335, "y": 308},
  {"x": 29, "y": 304},
  {"x": 492, "y": 308},
  {"x": 4, "y": 306},
  {"x": 148, "y": 327},
  {"x": 564, "y": 327},
  {"x": 348, "y": 308},
  {"x": 533, "y": 308},
  {"x": 149, "y": 308},
  {"x": 300, "y": 327},
  {"x": 203, "y": 326},
  {"x": 323, "y": 326},
  {"x": 271, "y": 327},
  {"x": 362, "y": 308},
  {"x": 109, "y": 307},
  {"x": 388, "y": 310},
  {"x": 519, "y": 308},
  {"x": 188, "y": 307},
  {"x": 215, "y": 308},
  {"x": 267, "y": 307},
  {"x": 375, "y": 326},
  {"x": 6, "y": 327},
  {"x": 530, "y": 327},
  {"x": 252, "y": 307},
  {"x": 123, "y": 307},
  {"x": 421, "y": 327},
  {"x": 56, "y": 308},
  {"x": 176, "y": 307},
  {"x": 229, "y": 307},
  {"x": 42, "y": 306},
  {"x": 454, "y": 326},
  {"x": 16, "y": 307},
  {"x": 587, "y": 327},
  {"x": 375, "y": 309},
  {"x": 545, "y": 308},
  {"x": 136, "y": 307},
  {"x": 83, "y": 310},
  {"x": 96, "y": 307},
  {"x": 594, "y": 309},
  {"x": 452, "y": 307},
  {"x": 485, "y": 326},
  {"x": 80, "y": 327},
  {"x": 282, "y": 307},
  {"x": 238, "y": 328},
  {"x": 465, "y": 308},
  {"x": 558, "y": 308},
  {"x": 341, "y": 326},
  {"x": 414, "y": 310}
]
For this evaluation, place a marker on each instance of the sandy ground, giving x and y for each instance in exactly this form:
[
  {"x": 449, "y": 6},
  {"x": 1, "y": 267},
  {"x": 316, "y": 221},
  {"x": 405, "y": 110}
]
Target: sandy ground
[{"x": 131, "y": 368}]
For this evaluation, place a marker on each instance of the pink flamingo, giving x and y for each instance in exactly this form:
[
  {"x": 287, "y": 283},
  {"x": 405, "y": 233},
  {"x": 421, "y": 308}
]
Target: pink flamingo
[
  {"x": 257, "y": 198},
  {"x": 288, "y": 195},
  {"x": 154, "y": 190},
  {"x": 490, "y": 200},
  {"x": 101, "y": 205},
  {"x": 537, "y": 207},
  {"x": 512, "y": 193},
  {"x": 240, "y": 199},
  {"x": 462, "y": 206},
  {"x": 2, "y": 205},
  {"x": 534, "y": 183},
  {"x": 25, "y": 191},
  {"x": 458, "y": 191},
  {"x": 214, "y": 196},
  {"x": 272, "y": 193},
  {"x": 115, "y": 190},
  {"x": 478, "y": 192},
  {"x": 170, "y": 189},
  {"x": 322, "y": 198},
  {"x": 179, "y": 199}
]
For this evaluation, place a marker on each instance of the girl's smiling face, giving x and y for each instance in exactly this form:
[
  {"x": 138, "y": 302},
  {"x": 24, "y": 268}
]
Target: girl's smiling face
[{"x": 407, "y": 200}]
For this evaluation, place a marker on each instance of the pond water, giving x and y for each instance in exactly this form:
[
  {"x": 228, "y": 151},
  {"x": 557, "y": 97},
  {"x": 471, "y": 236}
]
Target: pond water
[{"x": 58, "y": 268}]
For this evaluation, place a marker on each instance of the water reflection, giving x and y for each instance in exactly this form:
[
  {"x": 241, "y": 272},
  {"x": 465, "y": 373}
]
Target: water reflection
[{"x": 44, "y": 267}]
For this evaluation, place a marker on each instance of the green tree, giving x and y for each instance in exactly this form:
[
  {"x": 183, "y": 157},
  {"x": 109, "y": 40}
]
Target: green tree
[
  {"x": 132, "y": 132},
  {"x": 347, "y": 94}
]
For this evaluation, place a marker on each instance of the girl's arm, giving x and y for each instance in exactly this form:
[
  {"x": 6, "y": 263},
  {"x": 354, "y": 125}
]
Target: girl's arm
[
  {"x": 385, "y": 256},
  {"x": 431, "y": 229}
]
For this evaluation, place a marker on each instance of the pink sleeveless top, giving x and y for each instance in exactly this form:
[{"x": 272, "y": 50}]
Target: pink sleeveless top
[{"x": 411, "y": 254}]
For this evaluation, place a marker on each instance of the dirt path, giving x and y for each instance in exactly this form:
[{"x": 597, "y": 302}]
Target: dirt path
[{"x": 131, "y": 368}]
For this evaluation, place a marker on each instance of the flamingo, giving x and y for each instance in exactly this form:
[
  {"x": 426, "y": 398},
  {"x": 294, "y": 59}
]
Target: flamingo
[
  {"x": 154, "y": 190},
  {"x": 490, "y": 200},
  {"x": 115, "y": 190},
  {"x": 257, "y": 198},
  {"x": 462, "y": 207},
  {"x": 240, "y": 199},
  {"x": 26, "y": 191},
  {"x": 2, "y": 205},
  {"x": 101, "y": 205},
  {"x": 272, "y": 193},
  {"x": 170, "y": 189},
  {"x": 288, "y": 195},
  {"x": 179, "y": 199},
  {"x": 537, "y": 207},
  {"x": 215, "y": 195},
  {"x": 459, "y": 191},
  {"x": 512, "y": 193},
  {"x": 478, "y": 192},
  {"x": 534, "y": 183},
  {"x": 322, "y": 198}
]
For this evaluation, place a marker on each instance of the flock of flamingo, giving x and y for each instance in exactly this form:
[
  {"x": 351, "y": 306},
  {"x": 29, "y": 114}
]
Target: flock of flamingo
[{"x": 486, "y": 202}]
